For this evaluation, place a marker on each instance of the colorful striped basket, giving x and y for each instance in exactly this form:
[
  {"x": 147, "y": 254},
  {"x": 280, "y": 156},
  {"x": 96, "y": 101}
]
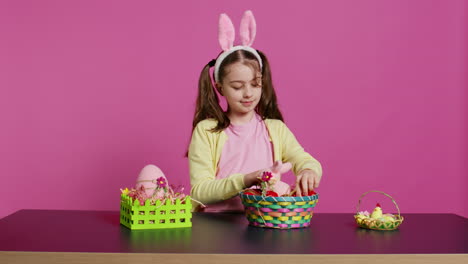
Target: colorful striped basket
[{"x": 279, "y": 212}]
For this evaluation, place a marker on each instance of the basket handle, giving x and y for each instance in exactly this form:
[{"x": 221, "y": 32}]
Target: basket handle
[{"x": 364, "y": 194}]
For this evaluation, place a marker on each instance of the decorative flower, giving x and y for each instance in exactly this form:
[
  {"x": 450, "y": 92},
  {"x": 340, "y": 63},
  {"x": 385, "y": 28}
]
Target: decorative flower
[
  {"x": 177, "y": 189},
  {"x": 159, "y": 195},
  {"x": 364, "y": 213},
  {"x": 266, "y": 176},
  {"x": 163, "y": 192},
  {"x": 138, "y": 194},
  {"x": 161, "y": 182}
]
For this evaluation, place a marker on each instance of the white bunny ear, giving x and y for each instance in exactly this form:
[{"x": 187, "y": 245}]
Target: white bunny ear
[
  {"x": 226, "y": 32},
  {"x": 248, "y": 28}
]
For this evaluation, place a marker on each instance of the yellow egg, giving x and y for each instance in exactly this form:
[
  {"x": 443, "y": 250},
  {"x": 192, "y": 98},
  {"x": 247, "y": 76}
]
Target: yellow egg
[{"x": 388, "y": 218}]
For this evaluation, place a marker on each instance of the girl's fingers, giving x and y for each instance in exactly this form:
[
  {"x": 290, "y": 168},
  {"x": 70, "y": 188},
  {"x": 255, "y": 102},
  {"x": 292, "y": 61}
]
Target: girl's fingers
[
  {"x": 305, "y": 185},
  {"x": 298, "y": 186},
  {"x": 306, "y": 182},
  {"x": 311, "y": 183},
  {"x": 298, "y": 191},
  {"x": 317, "y": 182}
]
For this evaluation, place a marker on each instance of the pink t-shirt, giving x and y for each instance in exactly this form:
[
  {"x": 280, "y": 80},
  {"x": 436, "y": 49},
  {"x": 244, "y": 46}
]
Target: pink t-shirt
[{"x": 247, "y": 149}]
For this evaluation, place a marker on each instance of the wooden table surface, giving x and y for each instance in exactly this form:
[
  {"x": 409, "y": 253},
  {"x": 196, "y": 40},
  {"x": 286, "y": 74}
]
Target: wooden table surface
[{"x": 97, "y": 237}]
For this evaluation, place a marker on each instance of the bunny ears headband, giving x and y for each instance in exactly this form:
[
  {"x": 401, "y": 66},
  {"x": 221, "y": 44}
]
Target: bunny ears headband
[{"x": 226, "y": 38}]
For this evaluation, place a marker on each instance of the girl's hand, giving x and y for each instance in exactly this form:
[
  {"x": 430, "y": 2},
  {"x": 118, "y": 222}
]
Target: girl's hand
[
  {"x": 251, "y": 179},
  {"x": 277, "y": 169},
  {"x": 306, "y": 181}
]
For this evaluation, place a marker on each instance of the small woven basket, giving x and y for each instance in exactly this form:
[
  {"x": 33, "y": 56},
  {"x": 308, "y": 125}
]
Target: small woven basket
[
  {"x": 377, "y": 224},
  {"x": 279, "y": 212}
]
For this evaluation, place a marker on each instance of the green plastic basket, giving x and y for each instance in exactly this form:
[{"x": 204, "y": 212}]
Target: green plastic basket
[{"x": 167, "y": 215}]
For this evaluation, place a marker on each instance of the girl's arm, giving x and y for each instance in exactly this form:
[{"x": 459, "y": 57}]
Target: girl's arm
[
  {"x": 307, "y": 169},
  {"x": 293, "y": 152},
  {"x": 205, "y": 188}
]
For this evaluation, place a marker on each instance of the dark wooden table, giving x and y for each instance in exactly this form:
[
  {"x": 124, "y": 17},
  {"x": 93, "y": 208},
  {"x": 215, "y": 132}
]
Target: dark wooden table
[{"x": 97, "y": 237}]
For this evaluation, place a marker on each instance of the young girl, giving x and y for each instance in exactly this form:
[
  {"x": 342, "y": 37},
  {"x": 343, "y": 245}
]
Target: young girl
[{"x": 230, "y": 150}]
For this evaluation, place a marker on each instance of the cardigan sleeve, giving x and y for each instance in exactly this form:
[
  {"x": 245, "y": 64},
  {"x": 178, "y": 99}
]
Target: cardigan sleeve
[
  {"x": 202, "y": 164},
  {"x": 293, "y": 152}
]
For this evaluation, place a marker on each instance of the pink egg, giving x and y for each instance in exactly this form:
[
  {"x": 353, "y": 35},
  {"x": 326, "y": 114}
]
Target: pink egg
[{"x": 147, "y": 178}]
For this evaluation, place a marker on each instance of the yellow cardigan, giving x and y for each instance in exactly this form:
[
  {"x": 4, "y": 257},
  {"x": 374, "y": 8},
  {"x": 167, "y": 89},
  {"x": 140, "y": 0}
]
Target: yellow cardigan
[{"x": 205, "y": 150}]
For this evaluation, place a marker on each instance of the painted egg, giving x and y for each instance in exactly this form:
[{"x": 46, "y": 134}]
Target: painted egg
[{"x": 148, "y": 178}]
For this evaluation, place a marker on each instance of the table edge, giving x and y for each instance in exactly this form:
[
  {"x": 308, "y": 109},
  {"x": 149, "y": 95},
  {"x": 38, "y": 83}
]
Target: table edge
[{"x": 101, "y": 258}]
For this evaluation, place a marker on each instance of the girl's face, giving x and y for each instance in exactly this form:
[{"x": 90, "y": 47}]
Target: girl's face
[{"x": 242, "y": 88}]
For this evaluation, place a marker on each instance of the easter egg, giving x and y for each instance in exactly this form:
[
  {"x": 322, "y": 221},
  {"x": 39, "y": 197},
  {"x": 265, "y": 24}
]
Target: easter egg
[
  {"x": 310, "y": 193},
  {"x": 388, "y": 218},
  {"x": 148, "y": 179},
  {"x": 271, "y": 193},
  {"x": 252, "y": 192}
]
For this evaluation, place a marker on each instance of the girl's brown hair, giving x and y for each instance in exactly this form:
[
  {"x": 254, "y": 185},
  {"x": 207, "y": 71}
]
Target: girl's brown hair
[{"x": 207, "y": 104}]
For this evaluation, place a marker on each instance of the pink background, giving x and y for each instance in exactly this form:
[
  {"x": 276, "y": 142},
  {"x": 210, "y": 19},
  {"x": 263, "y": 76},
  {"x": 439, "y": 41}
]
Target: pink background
[{"x": 92, "y": 91}]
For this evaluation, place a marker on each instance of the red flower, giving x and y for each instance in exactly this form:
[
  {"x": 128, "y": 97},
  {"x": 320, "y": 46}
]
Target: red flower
[
  {"x": 161, "y": 182},
  {"x": 266, "y": 177}
]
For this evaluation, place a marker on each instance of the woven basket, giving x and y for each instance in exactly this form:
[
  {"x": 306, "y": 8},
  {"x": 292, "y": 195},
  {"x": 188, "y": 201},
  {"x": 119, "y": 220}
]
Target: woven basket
[
  {"x": 376, "y": 224},
  {"x": 278, "y": 212}
]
